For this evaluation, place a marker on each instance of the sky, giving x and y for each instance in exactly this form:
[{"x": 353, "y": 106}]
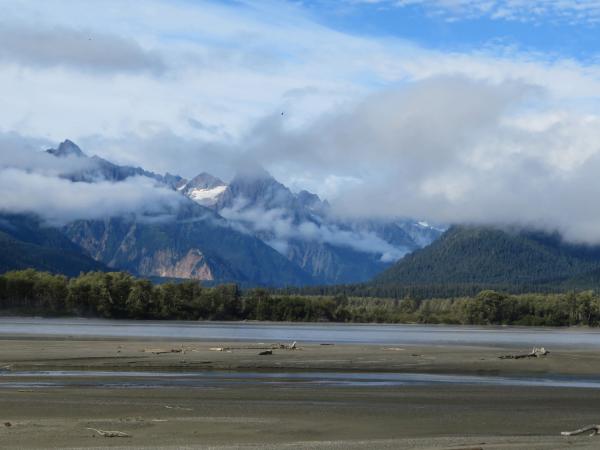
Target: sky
[{"x": 450, "y": 111}]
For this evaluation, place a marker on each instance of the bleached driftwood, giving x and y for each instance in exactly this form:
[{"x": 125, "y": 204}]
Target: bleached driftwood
[
  {"x": 535, "y": 353},
  {"x": 160, "y": 351},
  {"x": 292, "y": 346},
  {"x": 181, "y": 408},
  {"x": 106, "y": 433},
  {"x": 595, "y": 429}
]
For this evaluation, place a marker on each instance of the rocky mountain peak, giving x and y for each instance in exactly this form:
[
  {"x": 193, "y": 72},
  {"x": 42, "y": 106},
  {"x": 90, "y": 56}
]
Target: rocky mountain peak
[
  {"x": 65, "y": 149},
  {"x": 204, "y": 181},
  {"x": 258, "y": 188},
  {"x": 205, "y": 189}
]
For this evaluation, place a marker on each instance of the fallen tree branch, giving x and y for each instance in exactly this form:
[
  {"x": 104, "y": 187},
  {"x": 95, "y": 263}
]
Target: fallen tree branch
[
  {"x": 535, "y": 353},
  {"x": 595, "y": 429},
  {"x": 105, "y": 433}
]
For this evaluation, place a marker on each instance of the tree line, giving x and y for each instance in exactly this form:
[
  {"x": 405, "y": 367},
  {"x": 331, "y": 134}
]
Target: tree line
[{"x": 121, "y": 296}]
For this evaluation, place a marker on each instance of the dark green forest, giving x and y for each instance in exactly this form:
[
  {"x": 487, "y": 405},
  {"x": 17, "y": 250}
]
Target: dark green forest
[
  {"x": 122, "y": 296},
  {"x": 522, "y": 260},
  {"x": 467, "y": 259},
  {"x": 25, "y": 243}
]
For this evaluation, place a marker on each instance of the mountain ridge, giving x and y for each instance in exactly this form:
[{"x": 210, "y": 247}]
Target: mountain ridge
[
  {"x": 491, "y": 256},
  {"x": 293, "y": 235},
  {"x": 26, "y": 243}
]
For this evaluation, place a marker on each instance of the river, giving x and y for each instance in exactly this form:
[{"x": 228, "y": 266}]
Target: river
[{"x": 384, "y": 334}]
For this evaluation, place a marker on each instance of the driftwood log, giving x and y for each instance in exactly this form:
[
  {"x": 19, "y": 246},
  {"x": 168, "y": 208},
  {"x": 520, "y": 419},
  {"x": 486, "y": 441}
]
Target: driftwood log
[
  {"x": 292, "y": 346},
  {"x": 160, "y": 351},
  {"x": 178, "y": 407},
  {"x": 535, "y": 353},
  {"x": 593, "y": 429},
  {"x": 109, "y": 434}
]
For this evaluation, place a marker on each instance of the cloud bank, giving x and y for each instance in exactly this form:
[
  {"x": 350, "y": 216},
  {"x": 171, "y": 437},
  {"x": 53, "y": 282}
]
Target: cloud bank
[
  {"x": 378, "y": 125},
  {"x": 59, "y": 46},
  {"x": 278, "y": 229},
  {"x": 33, "y": 182},
  {"x": 454, "y": 150}
]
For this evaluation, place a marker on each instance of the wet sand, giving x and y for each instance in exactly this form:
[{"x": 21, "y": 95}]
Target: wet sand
[{"x": 293, "y": 415}]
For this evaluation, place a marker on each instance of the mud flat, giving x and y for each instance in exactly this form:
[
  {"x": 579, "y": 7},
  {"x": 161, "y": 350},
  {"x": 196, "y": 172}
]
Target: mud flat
[{"x": 53, "y": 391}]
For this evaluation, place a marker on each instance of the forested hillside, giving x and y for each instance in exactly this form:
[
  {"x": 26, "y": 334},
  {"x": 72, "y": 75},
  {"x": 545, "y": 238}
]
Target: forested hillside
[
  {"x": 26, "y": 243},
  {"x": 485, "y": 256}
]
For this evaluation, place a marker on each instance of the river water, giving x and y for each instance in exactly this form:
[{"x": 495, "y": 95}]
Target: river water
[
  {"x": 383, "y": 334},
  {"x": 215, "y": 379}
]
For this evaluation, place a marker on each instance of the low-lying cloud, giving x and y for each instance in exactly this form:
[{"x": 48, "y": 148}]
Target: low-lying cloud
[
  {"x": 34, "y": 182},
  {"x": 59, "y": 201},
  {"x": 278, "y": 229}
]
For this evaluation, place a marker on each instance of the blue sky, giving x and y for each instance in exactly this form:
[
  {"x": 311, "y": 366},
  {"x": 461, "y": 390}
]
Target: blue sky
[
  {"x": 567, "y": 31},
  {"x": 447, "y": 110}
]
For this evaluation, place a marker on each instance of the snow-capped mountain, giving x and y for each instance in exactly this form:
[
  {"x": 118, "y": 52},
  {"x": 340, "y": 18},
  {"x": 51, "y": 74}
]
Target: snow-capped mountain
[
  {"x": 253, "y": 230},
  {"x": 204, "y": 189},
  {"x": 192, "y": 242},
  {"x": 302, "y": 227}
]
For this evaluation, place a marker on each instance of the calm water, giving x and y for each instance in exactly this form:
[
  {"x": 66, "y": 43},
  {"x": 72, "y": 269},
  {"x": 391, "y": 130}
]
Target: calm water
[
  {"x": 310, "y": 333},
  {"x": 214, "y": 379}
]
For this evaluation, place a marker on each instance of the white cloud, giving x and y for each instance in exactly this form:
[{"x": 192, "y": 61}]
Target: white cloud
[
  {"x": 381, "y": 125},
  {"x": 33, "y": 182},
  {"x": 455, "y": 150},
  {"x": 278, "y": 229},
  {"x": 97, "y": 52},
  {"x": 59, "y": 201}
]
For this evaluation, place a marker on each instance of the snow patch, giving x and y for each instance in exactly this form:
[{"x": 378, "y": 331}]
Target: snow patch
[{"x": 206, "y": 196}]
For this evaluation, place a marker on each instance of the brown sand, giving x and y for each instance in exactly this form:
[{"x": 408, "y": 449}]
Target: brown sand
[{"x": 290, "y": 416}]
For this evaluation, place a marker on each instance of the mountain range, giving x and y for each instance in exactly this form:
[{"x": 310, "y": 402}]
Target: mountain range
[
  {"x": 302, "y": 228},
  {"x": 252, "y": 230},
  {"x": 255, "y": 231}
]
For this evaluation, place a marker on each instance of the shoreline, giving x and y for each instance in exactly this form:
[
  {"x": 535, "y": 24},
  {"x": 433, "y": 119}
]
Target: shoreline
[
  {"x": 298, "y": 322},
  {"x": 22, "y": 353},
  {"x": 289, "y": 414}
]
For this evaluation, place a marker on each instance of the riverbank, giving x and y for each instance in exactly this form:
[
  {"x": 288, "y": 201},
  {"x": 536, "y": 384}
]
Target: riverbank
[
  {"x": 24, "y": 353},
  {"x": 291, "y": 417},
  {"x": 288, "y": 414}
]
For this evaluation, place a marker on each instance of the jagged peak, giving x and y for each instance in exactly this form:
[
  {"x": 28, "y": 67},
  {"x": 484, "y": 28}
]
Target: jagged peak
[
  {"x": 67, "y": 148},
  {"x": 205, "y": 180},
  {"x": 307, "y": 197}
]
